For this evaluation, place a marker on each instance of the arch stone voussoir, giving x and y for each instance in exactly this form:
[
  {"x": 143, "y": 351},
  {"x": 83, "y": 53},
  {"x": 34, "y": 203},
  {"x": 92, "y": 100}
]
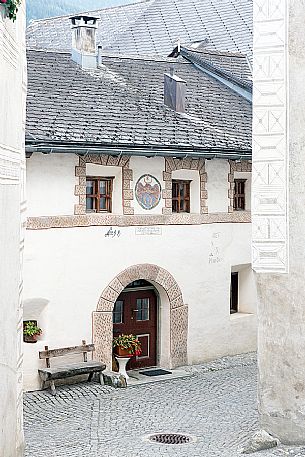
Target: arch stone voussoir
[
  {"x": 110, "y": 294},
  {"x": 150, "y": 272},
  {"x": 173, "y": 293},
  {"x": 178, "y": 312},
  {"x": 177, "y": 302},
  {"x": 165, "y": 279},
  {"x": 117, "y": 285},
  {"x": 104, "y": 305}
]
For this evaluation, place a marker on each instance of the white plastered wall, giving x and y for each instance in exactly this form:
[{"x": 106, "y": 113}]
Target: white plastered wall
[
  {"x": 218, "y": 185},
  {"x": 70, "y": 276},
  {"x": 52, "y": 181},
  {"x": 13, "y": 84},
  {"x": 193, "y": 176}
]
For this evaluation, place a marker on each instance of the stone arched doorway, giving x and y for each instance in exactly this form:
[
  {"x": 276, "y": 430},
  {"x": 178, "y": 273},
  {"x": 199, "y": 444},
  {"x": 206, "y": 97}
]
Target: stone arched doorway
[{"x": 177, "y": 312}]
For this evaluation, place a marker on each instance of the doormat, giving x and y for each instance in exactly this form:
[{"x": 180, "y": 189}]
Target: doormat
[{"x": 158, "y": 372}]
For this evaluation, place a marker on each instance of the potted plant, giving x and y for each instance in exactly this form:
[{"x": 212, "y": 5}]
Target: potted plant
[
  {"x": 31, "y": 331},
  {"x": 11, "y": 7},
  {"x": 127, "y": 346}
]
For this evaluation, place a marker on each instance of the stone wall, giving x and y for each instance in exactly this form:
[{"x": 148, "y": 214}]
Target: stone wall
[
  {"x": 12, "y": 217},
  {"x": 278, "y": 165}
]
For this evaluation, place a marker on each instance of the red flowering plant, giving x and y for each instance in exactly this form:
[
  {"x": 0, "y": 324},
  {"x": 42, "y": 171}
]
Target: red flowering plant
[
  {"x": 129, "y": 343},
  {"x": 11, "y": 7}
]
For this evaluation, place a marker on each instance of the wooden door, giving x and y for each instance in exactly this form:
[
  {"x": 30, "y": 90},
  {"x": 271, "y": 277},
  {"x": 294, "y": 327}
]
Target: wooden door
[{"x": 136, "y": 312}]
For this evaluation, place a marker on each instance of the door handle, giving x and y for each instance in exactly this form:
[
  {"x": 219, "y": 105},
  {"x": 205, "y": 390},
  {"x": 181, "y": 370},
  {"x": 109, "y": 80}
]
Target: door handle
[{"x": 132, "y": 313}]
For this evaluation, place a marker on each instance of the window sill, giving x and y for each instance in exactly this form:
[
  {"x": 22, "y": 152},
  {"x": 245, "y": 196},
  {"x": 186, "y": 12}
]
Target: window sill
[{"x": 235, "y": 316}]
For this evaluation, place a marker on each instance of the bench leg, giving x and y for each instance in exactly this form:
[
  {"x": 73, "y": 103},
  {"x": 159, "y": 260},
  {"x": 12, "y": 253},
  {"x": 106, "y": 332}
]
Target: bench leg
[
  {"x": 53, "y": 390},
  {"x": 101, "y": 378},
  {"x": 90, "y": 377}
]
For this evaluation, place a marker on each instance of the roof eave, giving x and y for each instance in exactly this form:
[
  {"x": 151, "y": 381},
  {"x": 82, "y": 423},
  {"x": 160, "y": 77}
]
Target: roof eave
[{"x": 180, "y": 151}]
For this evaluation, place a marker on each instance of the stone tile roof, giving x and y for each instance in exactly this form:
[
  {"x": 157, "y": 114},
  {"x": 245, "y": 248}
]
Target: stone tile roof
[
  {"x": 234, "y": 66},
  {"x": 121, "y": 103},
  {"x": 154, "y": 26},
  {"x": 55, "y": 33}
]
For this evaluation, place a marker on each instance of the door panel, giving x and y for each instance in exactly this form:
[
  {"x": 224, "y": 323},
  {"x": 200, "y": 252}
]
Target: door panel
[{"x": 136, "y": 312}]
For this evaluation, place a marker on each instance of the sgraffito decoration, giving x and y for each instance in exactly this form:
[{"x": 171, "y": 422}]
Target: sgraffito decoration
[
  {"x": 148, "y": 191},
  {"x": 270, "y": 158}
]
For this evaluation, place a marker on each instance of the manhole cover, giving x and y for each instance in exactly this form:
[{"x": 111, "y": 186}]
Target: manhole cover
[{"x": 171, "y": 438}]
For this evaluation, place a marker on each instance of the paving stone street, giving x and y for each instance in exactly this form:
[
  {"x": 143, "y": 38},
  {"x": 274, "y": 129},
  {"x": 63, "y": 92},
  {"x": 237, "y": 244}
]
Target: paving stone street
[{"x": 217, "y": 404}]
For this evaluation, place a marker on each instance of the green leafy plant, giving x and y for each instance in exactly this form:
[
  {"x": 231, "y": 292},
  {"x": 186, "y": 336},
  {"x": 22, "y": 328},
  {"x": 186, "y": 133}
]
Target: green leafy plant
[
  {"x": 31, "y": 329},
  {"x": 129, "y": 342},
  {"x": 11, "y": 7}
]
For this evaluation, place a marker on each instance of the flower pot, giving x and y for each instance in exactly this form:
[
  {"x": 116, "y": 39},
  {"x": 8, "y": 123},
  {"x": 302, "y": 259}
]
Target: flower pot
[
  {"x": 30, "y": 339},
  {"x": 122, "y": 352}
]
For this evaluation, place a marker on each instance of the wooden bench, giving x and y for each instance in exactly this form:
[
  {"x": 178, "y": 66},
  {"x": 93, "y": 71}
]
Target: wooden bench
[{"x": 68, "y": 370}]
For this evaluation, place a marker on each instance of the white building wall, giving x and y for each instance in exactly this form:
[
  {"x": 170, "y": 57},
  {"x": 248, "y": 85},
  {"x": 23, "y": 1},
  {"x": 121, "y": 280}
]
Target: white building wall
[
  {"x": 52, "y": 180},
  {"x": 218, "y": 185},
  {"x": 12, "y": 217},
  {"x": 68, "y": 268}
]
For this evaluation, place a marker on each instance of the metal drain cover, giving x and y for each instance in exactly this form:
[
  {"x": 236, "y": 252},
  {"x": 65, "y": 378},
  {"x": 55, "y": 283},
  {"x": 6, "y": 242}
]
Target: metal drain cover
[{"x": 171, "y": 438}]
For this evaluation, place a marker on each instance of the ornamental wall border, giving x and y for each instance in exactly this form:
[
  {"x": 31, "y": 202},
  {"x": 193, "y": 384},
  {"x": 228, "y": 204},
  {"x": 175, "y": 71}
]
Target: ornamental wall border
[{"x": 89, "y": 220}]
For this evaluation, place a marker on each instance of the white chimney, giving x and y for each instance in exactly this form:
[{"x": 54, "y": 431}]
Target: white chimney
[
  {"x": 174, "y": 92},
  {"x": 84, "y": 51}
]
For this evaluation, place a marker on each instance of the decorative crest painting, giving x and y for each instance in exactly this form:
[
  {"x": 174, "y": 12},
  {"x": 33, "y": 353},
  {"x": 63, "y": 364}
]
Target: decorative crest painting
[{"x": 148, "y": 191}]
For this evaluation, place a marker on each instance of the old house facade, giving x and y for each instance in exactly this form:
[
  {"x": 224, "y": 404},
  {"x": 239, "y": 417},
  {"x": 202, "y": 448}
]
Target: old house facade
[{"x": 139, "y": 199}]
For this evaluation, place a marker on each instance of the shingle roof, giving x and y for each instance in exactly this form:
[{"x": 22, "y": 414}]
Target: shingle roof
[
  {"x": 121, "y": 103},
  {"x": 234, "y": 66},
  {"x": 154, "y": 26},
  {"x": 55, "y": 32}
]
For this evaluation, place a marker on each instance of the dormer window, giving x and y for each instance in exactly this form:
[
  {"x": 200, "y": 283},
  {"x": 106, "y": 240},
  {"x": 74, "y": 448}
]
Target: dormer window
[{"x": 99, "y": 194}]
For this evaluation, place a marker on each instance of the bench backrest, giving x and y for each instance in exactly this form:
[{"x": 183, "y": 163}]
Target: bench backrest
[{"x": 47, "y": 354}]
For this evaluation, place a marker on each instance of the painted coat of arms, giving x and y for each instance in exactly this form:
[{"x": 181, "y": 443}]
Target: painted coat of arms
[{"x": 148, "y": 191}]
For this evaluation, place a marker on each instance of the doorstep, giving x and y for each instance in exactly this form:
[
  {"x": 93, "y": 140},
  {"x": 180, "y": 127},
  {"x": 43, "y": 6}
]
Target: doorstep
[{"x": 137, "y": 379}]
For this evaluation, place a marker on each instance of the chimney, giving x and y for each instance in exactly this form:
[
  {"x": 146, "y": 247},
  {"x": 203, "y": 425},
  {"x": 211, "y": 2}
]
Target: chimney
[
  {"x": 84, "y": 50},
  {"x": 174, "y": 92}
]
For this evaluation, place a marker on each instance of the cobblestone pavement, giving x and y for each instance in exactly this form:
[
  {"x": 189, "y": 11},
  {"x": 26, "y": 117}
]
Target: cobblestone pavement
[{"x": 217, "y": 404}]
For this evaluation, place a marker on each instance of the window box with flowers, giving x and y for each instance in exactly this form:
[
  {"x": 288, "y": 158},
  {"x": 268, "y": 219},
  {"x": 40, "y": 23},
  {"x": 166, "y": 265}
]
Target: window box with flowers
[
  {"x": 31, "y": 331},
  {"x": 126, "y": 346},
  {"x": 11, "y": 7}
]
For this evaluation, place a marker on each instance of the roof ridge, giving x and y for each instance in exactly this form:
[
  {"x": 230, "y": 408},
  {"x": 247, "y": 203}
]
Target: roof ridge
[
  {"x": 218, "y": 69},
  {"x": 143, "y": 58},
  {"x": 216, "y": 52},
  {"x": 134, "y": 22},
  {"x": 135, "y": 2}
]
